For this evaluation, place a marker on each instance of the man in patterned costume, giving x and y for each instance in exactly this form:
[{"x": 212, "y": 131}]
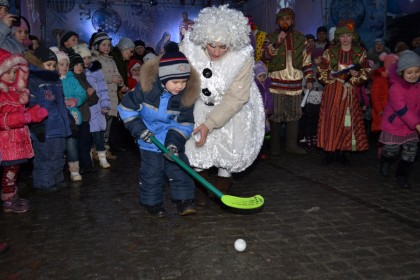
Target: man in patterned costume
[{"x": 284, "y": 51}]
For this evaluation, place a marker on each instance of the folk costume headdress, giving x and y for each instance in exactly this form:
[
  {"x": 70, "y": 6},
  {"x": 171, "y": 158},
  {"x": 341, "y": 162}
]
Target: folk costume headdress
[{"x": 345, "y": 26}]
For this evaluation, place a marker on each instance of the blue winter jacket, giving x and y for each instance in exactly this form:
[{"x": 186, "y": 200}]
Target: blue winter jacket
[
  {"x": 73, "y": 89},
  {"x": 47, "y": 91},
  {"x": 170, "y": 117}
]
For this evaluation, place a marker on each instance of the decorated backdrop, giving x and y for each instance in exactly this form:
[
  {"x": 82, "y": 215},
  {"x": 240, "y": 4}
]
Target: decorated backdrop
[{"x": 138, "y": 20}]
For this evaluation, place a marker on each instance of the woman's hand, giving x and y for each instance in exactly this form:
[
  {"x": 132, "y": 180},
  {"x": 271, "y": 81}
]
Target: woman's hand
[
  {"x": 204, "y": 131},
  {"x": 9, "y": 19}
]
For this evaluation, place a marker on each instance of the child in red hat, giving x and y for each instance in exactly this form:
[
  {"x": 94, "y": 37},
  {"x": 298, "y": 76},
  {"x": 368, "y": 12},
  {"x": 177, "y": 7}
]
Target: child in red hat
[{"x": 15, "y": 147}]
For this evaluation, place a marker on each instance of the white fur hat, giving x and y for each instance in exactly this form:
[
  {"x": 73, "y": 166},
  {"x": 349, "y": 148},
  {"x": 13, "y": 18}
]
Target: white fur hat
[{"x": 82, "y": 49}]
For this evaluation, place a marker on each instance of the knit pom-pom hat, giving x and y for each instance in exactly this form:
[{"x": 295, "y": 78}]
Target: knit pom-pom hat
[
  {"x": 388, "y": 59},
  {"x": 173, "y": 65},
  {"x": 75, "y": 59},
  {"x": 60, "y": 54},
  {"x": 407, "y": 60},
  {"x": 125, "y": 43},
  {"x": 45, "y": 54}
]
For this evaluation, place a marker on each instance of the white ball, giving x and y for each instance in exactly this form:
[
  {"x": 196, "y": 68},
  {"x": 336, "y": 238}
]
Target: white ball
[{"x": 240, "y": 245}]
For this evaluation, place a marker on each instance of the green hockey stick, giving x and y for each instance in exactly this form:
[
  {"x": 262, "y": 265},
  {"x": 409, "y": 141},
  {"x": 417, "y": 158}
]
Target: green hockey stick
[{"x": 253, "y": 202}]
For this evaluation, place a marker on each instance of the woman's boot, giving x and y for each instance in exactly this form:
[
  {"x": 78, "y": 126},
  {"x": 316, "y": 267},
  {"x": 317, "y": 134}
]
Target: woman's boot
[
  {"x": 292, "y": 129},
  {"x": 223, "y": 184}
]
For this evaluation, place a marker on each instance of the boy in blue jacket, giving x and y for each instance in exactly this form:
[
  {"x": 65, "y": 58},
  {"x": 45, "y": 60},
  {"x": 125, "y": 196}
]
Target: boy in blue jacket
[
  {"x": 162, "y": 105},
  {"x": 49, "y": 136}
]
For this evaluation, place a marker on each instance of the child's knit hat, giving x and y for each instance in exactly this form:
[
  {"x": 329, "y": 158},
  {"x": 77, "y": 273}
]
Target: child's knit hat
[
  {"x": 4, "y": 3},
  {"x": 317, "y": 52},
  {"x": 97, "y": 38},
  {"x": 60, "y": 54},
  {"x": 125, "y": 43},
  {"x": 259, "y": 68},
  {"x": 388, "y": 59},
  {"x": 75, "y": 58},
  {"x": 407, "y": 59},
  {"x": 173, "y": 65},
  {"x": 45, "y": 54}
]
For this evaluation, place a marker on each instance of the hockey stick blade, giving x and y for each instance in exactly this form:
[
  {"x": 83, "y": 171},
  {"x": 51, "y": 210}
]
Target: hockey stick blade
[{"x": 253, "y": 202}]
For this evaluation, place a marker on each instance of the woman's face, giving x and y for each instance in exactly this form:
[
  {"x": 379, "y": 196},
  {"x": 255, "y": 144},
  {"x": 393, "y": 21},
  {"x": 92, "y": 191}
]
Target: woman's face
[
  {"x": 346, "y": 39},
  {"x": 127, "y": 54},
  {"x": 411, "y": 74},
  {"x": 216, "y": 50}
]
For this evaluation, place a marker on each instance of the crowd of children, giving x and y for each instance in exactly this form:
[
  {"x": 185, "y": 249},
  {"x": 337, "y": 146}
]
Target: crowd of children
[{"x": 72, "y": 114}]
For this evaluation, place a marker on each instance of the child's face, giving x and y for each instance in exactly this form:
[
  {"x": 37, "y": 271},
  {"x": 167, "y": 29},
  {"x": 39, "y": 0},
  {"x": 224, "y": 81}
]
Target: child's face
[
  {"x": 87, "y": 60},
  {"x": 63, "y": 67},
  {"x": 21, "y": 34},
  {"x": 411, "y": 74},
  {"x": 311, "y": 43},
  {"x": 10, "y": 76},
  {"x": 176, "y": 86},
  {"x": 78, "y": 68},
  {"x": 71, "y": 42},
  {"x": 262, "y": 77},
  {"x": 105, "y": 47},
  {"x": 317, "y": 60},
  {"x": 49, "y": 65},
  {"x": 135, "y": 71},
  {"x": 35, "y": 44}
]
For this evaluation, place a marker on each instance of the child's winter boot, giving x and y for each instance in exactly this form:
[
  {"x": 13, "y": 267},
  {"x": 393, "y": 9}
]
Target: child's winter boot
[
  {"x": 74, "y": 171},
  {"x": 102, "y": 159}
]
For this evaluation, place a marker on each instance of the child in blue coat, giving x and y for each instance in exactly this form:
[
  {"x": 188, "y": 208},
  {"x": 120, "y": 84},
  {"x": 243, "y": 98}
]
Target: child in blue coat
[
  {"x": 162, "y": 105},
  {"x": 49, "y": 136}
]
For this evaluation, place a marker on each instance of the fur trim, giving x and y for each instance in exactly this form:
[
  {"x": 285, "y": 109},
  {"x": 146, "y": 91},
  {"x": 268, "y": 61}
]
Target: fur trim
[
  {"x": 149, "y": 73},
  {"x": 95, "y": 66},
  {"x": 9, "y": 61},
  {"x": 32, "y": 59},
  {"x": 193, "y": 89}
]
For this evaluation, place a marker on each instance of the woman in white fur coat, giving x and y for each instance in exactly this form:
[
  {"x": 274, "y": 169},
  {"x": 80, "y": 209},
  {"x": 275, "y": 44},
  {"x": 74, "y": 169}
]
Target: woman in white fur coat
[{"x": 229, "y": 114}]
